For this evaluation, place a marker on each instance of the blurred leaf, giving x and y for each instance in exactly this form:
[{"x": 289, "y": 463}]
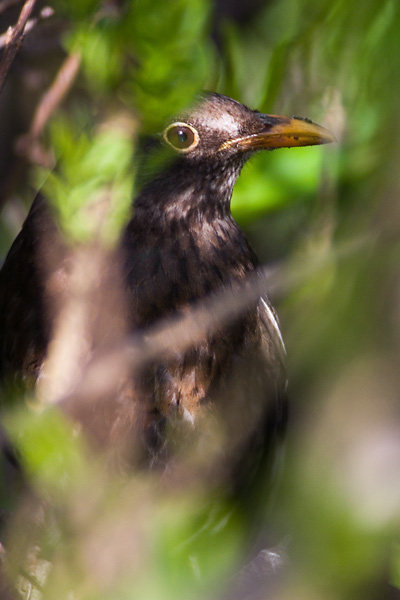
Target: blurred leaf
[
  {"x": 92, "y": 187},
  {"x": 50, "y": 452},
  {"x": 101, "y": 55},
  {"x": 172, "y": 56}
]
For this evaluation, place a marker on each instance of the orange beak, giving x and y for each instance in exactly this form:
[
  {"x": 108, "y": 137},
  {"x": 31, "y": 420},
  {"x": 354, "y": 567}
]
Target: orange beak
[{"x": 282, "y": 132}]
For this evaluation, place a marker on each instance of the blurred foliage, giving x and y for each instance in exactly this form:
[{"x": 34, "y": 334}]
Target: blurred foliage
[
  {"x": 92, "y": 187},
  {"x": 338, "y": 63}
]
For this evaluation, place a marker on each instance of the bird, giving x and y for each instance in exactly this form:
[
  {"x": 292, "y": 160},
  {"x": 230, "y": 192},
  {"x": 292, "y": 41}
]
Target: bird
[{"x": 180, "y": 247}]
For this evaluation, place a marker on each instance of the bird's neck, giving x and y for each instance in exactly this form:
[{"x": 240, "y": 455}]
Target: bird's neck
[
  {"x": 182, "y": 242},
  {"x": 186, "y": 213},
  {"x": 189, "y": 194}
]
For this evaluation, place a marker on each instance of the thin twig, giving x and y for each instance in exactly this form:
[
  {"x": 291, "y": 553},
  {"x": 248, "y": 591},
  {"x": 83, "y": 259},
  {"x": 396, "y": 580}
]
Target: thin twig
[
  {"x": 56, "y": 93},
  {"x": 45, "y": 13},
  {"x": 29, "y": 145},
  {"x": 14, "y": 41}
]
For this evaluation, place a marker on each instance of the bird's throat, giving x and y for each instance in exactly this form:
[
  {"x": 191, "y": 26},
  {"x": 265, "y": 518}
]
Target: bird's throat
[
  {"x": 189, "y": 194},
  {"x": 182, "y": 241}
]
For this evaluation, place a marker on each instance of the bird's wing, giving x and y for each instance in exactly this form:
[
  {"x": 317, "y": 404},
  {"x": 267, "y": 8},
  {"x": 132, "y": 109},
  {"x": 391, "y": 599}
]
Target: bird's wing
[
  {"x": 275, "y": 351},
  {"x": 260, "y": 384},
  {"x": 23, "y": 324}
]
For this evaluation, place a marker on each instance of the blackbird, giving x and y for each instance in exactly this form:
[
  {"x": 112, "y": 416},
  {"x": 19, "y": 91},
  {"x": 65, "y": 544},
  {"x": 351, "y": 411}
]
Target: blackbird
[{"x": 180, "y": 247}]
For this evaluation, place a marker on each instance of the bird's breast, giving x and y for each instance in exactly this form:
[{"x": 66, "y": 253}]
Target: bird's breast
[
  {"x": 169, "y": 273},
  {"x": 170, "y": 270}
]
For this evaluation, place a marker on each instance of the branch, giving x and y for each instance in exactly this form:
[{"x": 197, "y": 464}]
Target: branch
[
  {"x": 45, "y": 13},
  {"x": 15, "y": 36},
  {"x": 175, "y": 335},
  {"x": 29, "y": 145}
]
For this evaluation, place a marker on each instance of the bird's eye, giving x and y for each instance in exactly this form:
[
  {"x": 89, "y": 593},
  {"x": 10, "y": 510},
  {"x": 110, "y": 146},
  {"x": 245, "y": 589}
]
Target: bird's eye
[{"x": 181, "y": 137}]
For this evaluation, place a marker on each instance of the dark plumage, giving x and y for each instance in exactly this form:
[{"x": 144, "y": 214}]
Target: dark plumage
[{"x": 181, "y": 246}]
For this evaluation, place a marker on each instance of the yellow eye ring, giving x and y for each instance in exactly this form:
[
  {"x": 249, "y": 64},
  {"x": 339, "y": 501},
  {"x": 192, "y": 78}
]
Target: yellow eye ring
[{"x": 181, "y": 137}]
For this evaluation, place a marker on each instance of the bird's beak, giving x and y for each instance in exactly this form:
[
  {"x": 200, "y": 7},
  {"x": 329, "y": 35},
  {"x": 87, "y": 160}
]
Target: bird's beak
[{"x": 282, "y": 132}]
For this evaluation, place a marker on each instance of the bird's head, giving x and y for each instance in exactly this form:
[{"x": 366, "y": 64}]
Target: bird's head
[
  {"x": 210, "y": 143},
  {"x": 219, "y": 128}
]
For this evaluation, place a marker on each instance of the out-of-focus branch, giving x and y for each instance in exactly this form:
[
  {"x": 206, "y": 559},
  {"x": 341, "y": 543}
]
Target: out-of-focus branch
[
  {"x": 29, "y": 145},
  {"x": 14, "y": 38},
  {"x": 172, "y": 335},
  {"x": 45, "y": 13},
  {"x": 175, "y": 335}
]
